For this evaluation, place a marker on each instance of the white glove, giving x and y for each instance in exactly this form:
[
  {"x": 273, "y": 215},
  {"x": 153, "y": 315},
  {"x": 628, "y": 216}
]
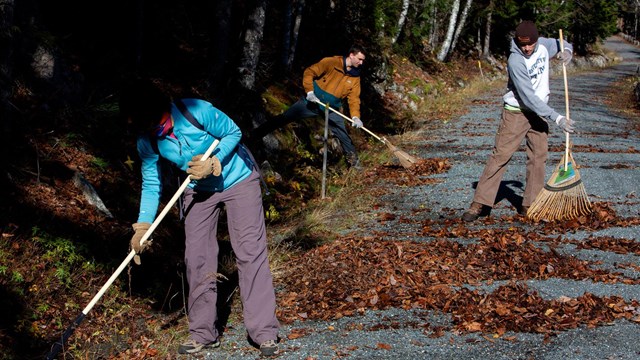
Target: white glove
[
  {"x": 312, "y": 97},
  {"x": 565, "y": 124},
  {"x": 565, "y": 56},
  {"x": 357, "y": 123}
]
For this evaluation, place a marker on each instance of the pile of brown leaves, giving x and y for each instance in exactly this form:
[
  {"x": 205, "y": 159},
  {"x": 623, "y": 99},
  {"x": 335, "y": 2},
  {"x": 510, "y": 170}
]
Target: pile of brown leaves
[{"x": 352, "y": 275}]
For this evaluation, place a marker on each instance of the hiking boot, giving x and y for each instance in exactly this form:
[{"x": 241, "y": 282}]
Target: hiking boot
[
  {"x": 269, "y": 348},
  {"x": 473, "y": 212},
  {"x": 353, "y": 161},
  {"x": 523, "y": 210},
  {"x": 192, "y": 346}
]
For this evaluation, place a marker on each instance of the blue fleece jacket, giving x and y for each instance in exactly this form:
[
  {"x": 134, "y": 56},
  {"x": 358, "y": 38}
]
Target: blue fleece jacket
[{"x": 191, "y": 141}]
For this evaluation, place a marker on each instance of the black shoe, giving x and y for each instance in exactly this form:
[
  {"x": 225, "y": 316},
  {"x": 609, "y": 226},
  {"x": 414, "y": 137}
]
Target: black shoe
[
  {"x": 269, "y": 348},
  {"x": 522, "y": 210},
  {"x": 193, "y": 347}
]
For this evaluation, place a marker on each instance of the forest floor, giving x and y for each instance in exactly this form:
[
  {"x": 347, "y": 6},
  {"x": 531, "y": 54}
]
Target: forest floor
[{"x": 384, "y": 258}]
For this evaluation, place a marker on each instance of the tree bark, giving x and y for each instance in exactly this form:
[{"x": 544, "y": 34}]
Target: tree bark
[
  {"x": 220, "y": 41},
  {"x": 6, "y": 68},
  {"x": 286, "y": 36},
  {"x": 401, "y": 20},
  {"x": 446, "y": 44},
  {"x": 487, "y": 31},
  {"x": 460, "y": 27},
  {"x": 6, "y": 51},
  {"x": 251, "y": 49},
  {"x": 295, "y": 33},
  {"x": 6, "y": 87},
  {"x": 433, "y": 34},
  {"x": 293, "y": 18}
]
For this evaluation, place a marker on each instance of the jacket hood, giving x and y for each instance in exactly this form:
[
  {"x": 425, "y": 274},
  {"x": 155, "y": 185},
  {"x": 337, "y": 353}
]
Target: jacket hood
[{"x": 515, "y": 49}]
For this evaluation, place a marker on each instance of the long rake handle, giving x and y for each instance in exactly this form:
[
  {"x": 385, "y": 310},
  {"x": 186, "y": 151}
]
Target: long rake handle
[
  {"x": 351, "y": 121},
  {"x": 65, "y": 336},
  {"x": 325, "y": 151},
  {"x": 566, "y": 104}
]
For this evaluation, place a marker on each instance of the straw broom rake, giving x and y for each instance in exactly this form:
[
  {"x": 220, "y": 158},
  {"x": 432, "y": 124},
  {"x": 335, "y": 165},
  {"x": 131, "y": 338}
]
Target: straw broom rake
[
  {"x": 563, "y": 196},
  {"x": 67, "y": 333},
  {"x": 407, "y": 161}
]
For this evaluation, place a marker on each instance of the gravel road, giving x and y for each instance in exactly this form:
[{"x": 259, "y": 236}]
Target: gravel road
[{"x": 611, "y": 173}]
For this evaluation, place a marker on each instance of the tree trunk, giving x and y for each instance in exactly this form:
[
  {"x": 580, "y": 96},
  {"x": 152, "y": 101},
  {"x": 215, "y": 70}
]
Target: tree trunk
[
  {"x": 6, "y": 82},
  {"x": 292, "y": 29},
  {"x": 6, "y": 47},
  {"x": 251, "y": 49},
  {"x": 6, "y": 68},
  {"x": 433, "y": 33},
  {"x": 446, "y": 44},
  {"x": 286, "y": 36},
  {"x": 401, "y": 20},
  {"x": 487, "y": 31},
  {"x": 219, "y": 52},
  {"x": 296, "y": 32},
  {"x": 635, "y": 22},
  {"x": 461, "y": 23}
]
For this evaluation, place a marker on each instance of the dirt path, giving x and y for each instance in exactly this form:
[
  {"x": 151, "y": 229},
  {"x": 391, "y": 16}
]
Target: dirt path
[{"x": 607, "y": 148}]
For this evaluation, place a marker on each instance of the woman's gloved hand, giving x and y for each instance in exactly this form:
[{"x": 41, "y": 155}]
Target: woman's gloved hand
[{"x": 200, "y": 169}]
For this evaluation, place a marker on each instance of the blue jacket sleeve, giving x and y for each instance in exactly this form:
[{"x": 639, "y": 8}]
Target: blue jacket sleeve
[
  {"x": 220, "y": 126},
  {"x": 151, "y": 181}
]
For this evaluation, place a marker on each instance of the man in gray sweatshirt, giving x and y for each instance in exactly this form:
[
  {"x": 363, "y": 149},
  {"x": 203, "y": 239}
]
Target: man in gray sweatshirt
[{"x": 525, "y": 115}]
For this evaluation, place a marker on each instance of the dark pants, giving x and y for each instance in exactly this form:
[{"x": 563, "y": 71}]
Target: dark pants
[
  {"x": 247, "y": 232},
  {"x": 304, "y": 109}
]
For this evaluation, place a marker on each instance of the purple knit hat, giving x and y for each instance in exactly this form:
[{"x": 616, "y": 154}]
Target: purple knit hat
[{"x": 526, "y": 33}]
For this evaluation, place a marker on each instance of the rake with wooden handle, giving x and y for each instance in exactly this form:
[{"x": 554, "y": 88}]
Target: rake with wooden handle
[
  {"x": 59, "y": 345},
  {"x": 563, "y": 196},
  {"x": 407, "y": 161}
]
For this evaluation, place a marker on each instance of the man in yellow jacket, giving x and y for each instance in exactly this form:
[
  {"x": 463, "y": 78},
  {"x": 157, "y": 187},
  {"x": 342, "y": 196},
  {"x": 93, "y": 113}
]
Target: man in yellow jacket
[{"x": 331, "y": 80}]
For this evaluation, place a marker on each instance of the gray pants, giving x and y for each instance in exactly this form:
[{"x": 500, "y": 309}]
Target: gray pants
[
  {"x": 247, "y": 232},
  {"x": 515, "y": 127}
]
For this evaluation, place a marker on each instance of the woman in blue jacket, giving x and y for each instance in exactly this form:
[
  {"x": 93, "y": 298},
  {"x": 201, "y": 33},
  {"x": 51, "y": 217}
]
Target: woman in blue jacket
[{"x": 227, "y": 179}]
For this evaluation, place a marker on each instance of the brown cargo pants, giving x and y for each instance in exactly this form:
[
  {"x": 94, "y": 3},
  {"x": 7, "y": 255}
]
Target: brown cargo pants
[{"x": 514, "y": 127}]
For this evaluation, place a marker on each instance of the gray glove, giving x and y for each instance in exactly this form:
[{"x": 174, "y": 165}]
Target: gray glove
[
  {"x": 357, "y": 123},
  {"x": 140, "y": 229},
  {"x": 565, "y": 124},
  {"x": 200, "y": 169},
  {"x": 312, "y": 97},
  {"x": 565, "y": 56}
]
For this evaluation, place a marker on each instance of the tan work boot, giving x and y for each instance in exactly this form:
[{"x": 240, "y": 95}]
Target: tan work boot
[{"x": 473, "y": 212}]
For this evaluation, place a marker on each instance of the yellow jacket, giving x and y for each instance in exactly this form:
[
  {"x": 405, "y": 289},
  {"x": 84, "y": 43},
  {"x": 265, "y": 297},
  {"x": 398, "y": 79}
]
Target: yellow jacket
[{"x": 331, "y": 76}]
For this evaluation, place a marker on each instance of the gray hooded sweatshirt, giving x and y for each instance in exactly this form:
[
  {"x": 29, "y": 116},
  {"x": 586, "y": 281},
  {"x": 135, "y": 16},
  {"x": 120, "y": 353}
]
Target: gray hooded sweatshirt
[{"x": 528, "y": 86}]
